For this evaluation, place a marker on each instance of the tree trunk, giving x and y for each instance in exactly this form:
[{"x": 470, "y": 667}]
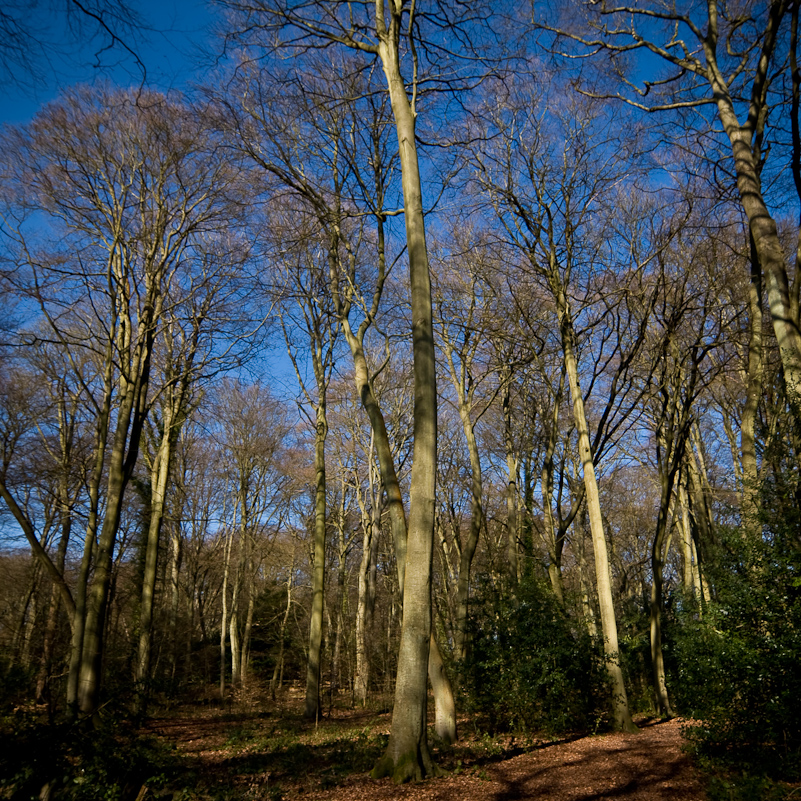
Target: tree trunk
[
  {"x": 128, "y": 430},
  {"x": 82, "y": 585},
  {"x": 658, "y": 551},
  {"x": 407, "y": 756},
  {"x": 244, "y": 658},
  {"x": 584, "y": 585},
  {"x": 339, "y": 606},
  {"x": 468, "y": 548},
  {"x": 275, "y": 681},
  {"x": 689, "y": 572},
  {"x": 764, "y": 232},
  {"x": 224, "y": 611},
  {"x": 443, "y": 694},
  {"x": 43, "y": 679},
  {"x": 175, "y": 571},
  {"x": 750, "y": 490},
  {"x": 371, "y": 522},
  {"x": 159, "y": 475},
  {"x": 622, "y": 715},
  {"x": 312, "y": 705},
  {"x": 511, "y": 486}
]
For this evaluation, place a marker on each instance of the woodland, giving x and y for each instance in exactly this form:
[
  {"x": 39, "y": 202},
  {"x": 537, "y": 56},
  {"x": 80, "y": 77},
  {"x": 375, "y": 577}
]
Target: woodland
[{"x": 431, "y": 361}]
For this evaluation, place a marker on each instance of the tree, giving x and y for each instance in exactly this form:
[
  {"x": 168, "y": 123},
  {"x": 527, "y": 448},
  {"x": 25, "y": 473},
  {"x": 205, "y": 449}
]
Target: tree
[
  {"x": 251, "y": 432},
  {"x": 551, "y": 205},
  {"x": 201, "y": 311},
  {"x": 306, "y": 308},
  {"x": 465, "y": 310},
  {"x": 116, "y": 204},
  {"x": 683, "y": 333},
  {"x": 29, "y": 41},
  {"x": 727, "y": 57},
  {"x": 381, "y": 35}
]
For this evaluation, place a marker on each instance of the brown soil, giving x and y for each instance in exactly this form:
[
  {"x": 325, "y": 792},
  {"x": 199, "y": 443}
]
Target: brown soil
[
  {"x": 649, "y": 766},
  {"x": 278, "y": 756}
]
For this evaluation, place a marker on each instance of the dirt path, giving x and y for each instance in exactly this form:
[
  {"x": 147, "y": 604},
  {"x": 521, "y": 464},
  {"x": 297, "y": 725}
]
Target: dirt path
[{"x": 648, "y": 766}]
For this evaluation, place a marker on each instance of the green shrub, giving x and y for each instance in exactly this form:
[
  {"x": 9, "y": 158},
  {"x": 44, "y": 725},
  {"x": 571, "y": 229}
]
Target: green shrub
[
  {"x": 528, "y": 669},
  {"x": 77, "y": 763},
  {"x": 736, "y": 664}
]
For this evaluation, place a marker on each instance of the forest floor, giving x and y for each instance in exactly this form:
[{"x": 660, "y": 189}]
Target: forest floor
[{"x": 259, "y": 749}]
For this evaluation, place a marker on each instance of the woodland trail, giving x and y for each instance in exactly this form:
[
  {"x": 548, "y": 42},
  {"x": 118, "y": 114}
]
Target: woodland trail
[{"x": 647, "y": 766}]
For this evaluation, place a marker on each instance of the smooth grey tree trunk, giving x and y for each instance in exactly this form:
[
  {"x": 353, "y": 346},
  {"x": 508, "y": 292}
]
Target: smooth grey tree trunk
[
  {"x": 130, "y": 419},
  {"x": 750, "y": 489},
  {"x": 312, "y": 703},
  {"x": 622, "y": 716},
  {"x": 407, "y": 756},
  {"x": 159, "y": 475}
]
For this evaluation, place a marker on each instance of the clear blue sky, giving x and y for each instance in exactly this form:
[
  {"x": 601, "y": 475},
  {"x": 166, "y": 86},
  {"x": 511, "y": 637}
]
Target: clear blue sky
[
  {"x": 168, "y": 44},
  {"x": 174, "y": 42}
]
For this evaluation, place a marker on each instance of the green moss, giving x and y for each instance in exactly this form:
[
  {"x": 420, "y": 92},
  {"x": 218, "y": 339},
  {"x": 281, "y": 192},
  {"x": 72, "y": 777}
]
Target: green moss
[
  {"x": 408, "y": 768},
  {"x": 383, "y": 768}
]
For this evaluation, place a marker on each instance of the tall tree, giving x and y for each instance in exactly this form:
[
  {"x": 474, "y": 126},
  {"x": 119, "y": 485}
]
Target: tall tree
[
  {"x": 730, "y": 57},
  {"x": 381, "y": 33},
  {"x": 110, "y": 197},
  {"x": 552, "y": 186}
]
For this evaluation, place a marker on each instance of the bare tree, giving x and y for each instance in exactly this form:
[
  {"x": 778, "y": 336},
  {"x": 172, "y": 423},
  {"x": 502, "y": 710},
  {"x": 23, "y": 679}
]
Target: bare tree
[
  {"x": 549, "y": 184},
  {"x": 34, "y": 34},
  {"x": 132, "y": 194},
  {"x": 729, "y": 57},
  {"x": 379, "y": 34}
]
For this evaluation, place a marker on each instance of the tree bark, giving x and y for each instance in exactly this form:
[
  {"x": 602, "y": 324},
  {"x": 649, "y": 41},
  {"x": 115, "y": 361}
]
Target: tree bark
[
  {"x": 477, "y": 522},
  {"x": 371, "y": 522},
  {"x": 658, "y": 550},
  {"x": 275, "y": 681},
  {"x": 750, "y": 489},
  {"x": 512, "y": 460},
  {"x": 407, "y": 756},
  {"x": 159, "y": 475},
  {"x": 443, "y": 693},
  {"x": 312, "y": 704},
  {"x": 130, "y": 420},
  {"x": 622, "y": 716},
  {"x": 762, "y": 226}
]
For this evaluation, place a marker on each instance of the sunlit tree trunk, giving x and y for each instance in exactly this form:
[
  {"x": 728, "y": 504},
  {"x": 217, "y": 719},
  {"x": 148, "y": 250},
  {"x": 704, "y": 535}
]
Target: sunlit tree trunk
[
  {"x": 174, "y": 569},
  {"x": 371, "y": 523},
  {"x": 407, "y": 756},
  {"x": 750, "y": 489},
  {"x": 66, "y": 433},
  {"x": 124, "y": 452},
  {"x": 443, "y": 692},
  {"x": 602, "y": 572},
  {"x": 159, "y": 474}
]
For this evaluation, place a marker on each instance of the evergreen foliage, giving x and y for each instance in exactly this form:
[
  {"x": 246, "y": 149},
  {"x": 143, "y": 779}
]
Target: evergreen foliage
[
  {"x": 529, "y": 669},
  {"x": 736, "y": 660}
]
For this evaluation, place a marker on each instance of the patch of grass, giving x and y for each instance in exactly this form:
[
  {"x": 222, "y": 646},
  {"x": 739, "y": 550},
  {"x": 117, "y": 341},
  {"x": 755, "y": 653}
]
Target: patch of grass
[
  {"x": 282, "y": 757},
  {"x": 240, "y": 735}
]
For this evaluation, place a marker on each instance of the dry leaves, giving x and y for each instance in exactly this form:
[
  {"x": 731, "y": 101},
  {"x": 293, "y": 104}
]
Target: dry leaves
[{"x": 647, "y": 766}]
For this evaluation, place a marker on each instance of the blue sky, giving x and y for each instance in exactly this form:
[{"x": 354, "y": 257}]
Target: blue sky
[
  {"x": 173, "y": 44},
  {"x": 168, "y": 44}
]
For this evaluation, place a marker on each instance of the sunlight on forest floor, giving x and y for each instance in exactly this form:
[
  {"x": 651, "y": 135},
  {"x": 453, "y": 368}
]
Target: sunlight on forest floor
[{"x": 255, "y": 747}]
